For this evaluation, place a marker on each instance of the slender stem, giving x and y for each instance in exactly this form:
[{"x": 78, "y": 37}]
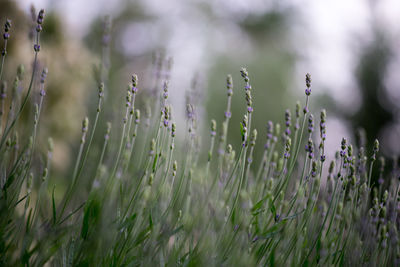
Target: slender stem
[
  {"x": 120, "y": 144},
  {"x": 90, "y": 138},
  {"x": 25, "y": 100},
  {"x": 3, "y": 57}
]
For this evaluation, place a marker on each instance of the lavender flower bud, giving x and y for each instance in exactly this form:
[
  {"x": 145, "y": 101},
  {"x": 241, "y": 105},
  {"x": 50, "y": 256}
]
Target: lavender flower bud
[
  {"x": 134, "y": 80},
  {"x": 270, "y": 130},
  {"x": 7, "y": 27},
  {"x": 245, "y": 74},
  {"x": 314, "y": 169},
  {"x": 137, "y": 116},
  {"x": 375, "y": 149},
  {"x": 343, "y": 147},
  {"x": 101, "y": 90},
  {"x": 152, "y": 146},
  {"x": 229, "y": 149},
  {"x": 189, "y": 111},
  {"x": 310, "y": 123},
  {"x": 308, "y": 84},
  {"x": 298, "y": 109},
  {"x": 253, "y": 138},
  {"x": 165, "y": 95},
  {"x": 322, "y": 125},
  {"x": 244, "y": 128},
  {"x": 310, "y": 148},
  {"x": 40, "y": 17},
  {"x": 288, "y": 122},
  {"x": 350, "y": 151},
  {"x": 85, "y": 124},
  {"x": 173, "y": 129},
  {"x": 249, "y": 101},
  {"x": 288, "y": 144},
  {"x": 36, "y": 47},
  {"x": 107, "y": 135},
  {"x": 174, "y": 168},
  {"x": 213, "y": 127},
  {"x": 44, "y": 75},
  {"x": 128, "y": 98},
  {"x": 229, "y": 85}
]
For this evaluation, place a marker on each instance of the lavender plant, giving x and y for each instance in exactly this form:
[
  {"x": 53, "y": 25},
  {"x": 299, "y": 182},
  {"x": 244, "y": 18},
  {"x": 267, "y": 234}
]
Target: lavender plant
[{"x": 168, "y": 206}]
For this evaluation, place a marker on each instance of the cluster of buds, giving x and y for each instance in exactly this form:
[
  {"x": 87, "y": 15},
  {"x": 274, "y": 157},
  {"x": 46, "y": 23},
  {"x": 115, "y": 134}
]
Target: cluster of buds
[
  {"x": 167, "y": 113},
  {"x": 343, "y": 147},
  {"x": 213, "y": 128},
  {"x": 174, "y": 168},
  {"x": 322, "y": 125},
  {"x": 189, "y": 111},
  {"x": 310, "y": 148},
  {"x": 349, "y": 159},
  {"x": 298, "y": 107},
  {"x": 307, "y": 91},
  {"x": 287, "y": 147},
  {"x": 288, "y": 122},
  {"x": 310, "y": 123},
  {"x": 253, "y": 138},
  {"x": 313, "y": 168},
  {"x": 270, "y": 134},
  {"x": 39, "y": 28},
  {"x": 308, "y": 84},
  {"x": 247, "y": 88},
  {"x": 42, "y": 80},
  {"x": 173, "y": 130},
  {"x": 322, "y": 131},
  {"x": 85, "y": 126},
  {"x": 7, "y": 27},
  {"x": 229, "y": 86},
  {"x": 6, "y": 35},
  {"x": 128, "y": 98},
  {"x": 165, "y": 94},
  {"x": 137, "y": 116},
  {"x": 101, "y": 90},
  {"x": 134, "y": 83},
  {"x": 375, "y": 150},
  {"x": 107, "y": 135},
  {"x": 244, "y": 130},
  {"x": 152, "y": 147}
]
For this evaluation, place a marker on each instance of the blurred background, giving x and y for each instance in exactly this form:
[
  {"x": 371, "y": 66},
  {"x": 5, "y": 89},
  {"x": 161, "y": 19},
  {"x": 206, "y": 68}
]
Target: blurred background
[{"x": 351, "y": 49}]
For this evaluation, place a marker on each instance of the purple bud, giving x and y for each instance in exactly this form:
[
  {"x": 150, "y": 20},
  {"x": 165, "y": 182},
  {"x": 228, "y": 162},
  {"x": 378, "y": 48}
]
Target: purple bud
[
  {"x": 36, "y": 47},
  {"x": 6, "y": 35}
]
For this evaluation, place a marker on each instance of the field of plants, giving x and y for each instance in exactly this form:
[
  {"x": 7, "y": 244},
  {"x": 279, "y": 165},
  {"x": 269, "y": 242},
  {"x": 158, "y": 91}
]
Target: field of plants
[{"x": 141, "y": 194}]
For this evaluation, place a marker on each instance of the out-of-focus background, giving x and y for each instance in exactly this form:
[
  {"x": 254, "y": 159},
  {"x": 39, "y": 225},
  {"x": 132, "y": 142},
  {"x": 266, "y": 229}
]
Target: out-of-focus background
[{"x": 351, "y": 48}]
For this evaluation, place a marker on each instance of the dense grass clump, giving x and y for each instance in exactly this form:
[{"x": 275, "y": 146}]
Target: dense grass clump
[{"x": 164, "y": 203}]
